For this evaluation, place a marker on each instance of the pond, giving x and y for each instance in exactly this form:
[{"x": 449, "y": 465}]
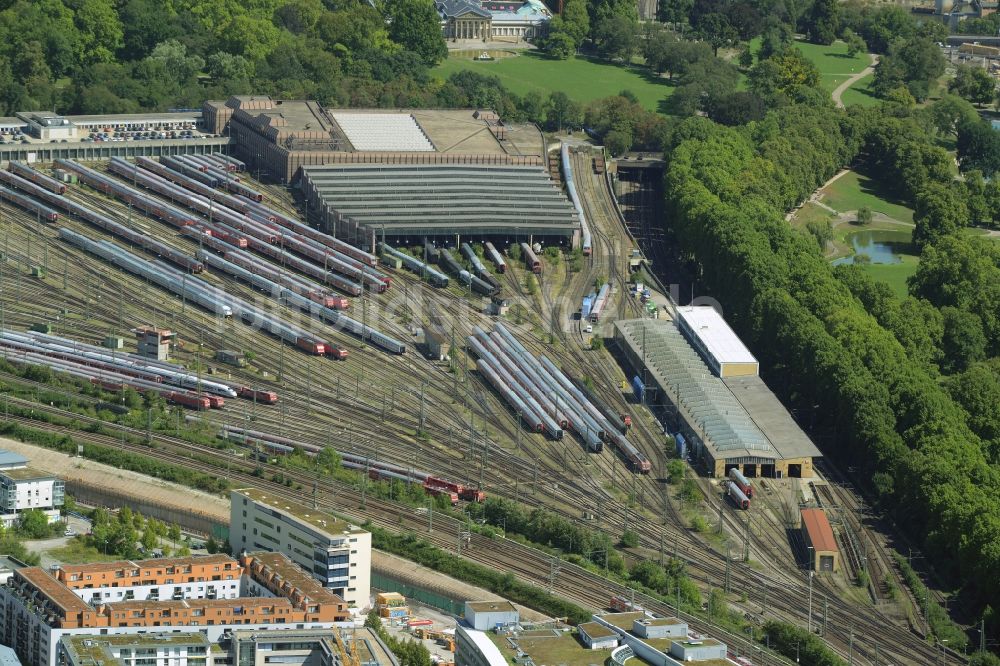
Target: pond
[
  {"x": 473, "y": 54},
  {"x": 880, "y": 246}
]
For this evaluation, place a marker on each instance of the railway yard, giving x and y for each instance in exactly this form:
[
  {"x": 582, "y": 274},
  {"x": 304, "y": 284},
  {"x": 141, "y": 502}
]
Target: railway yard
[{"x": 329, "y": 336}]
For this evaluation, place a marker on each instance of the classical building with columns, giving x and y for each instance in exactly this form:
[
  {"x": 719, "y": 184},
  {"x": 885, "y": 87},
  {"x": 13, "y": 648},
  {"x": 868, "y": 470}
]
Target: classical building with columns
[{"x": 493, "y": 20}]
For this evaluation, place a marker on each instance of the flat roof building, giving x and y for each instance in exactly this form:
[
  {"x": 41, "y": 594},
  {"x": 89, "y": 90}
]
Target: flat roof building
[
  {"x": 23, "y": 487},
  {"x": 718, "y": 345},
  {"x": 280, "y": 136},
  {"x": 334, "y": 552},
  {"x": 596, "y": 636},
  {"x": 292, "y": 647},
  {"x": 821, "y": 545},
  {"x": 732, "y": 422},
  {"x": 486, "y": 615},
  {"x": 214, "y": 593}
]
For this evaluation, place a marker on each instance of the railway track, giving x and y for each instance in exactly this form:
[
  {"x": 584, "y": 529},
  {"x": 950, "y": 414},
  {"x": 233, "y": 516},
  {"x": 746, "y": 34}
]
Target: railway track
[{"x": 569, "y": 475}]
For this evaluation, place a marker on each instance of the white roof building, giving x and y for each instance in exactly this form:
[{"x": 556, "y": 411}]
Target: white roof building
[{"x": 711, "y": 336}]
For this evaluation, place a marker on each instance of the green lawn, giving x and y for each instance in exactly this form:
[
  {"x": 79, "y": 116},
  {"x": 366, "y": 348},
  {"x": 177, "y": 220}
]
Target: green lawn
[
  {"x": 583, "y": 79},
  {"x": 832, "y": 61},
  {"x": 895, "y": 274},
  {"x": 853, "y": 190},
  {"x": 859, "y": 93}
]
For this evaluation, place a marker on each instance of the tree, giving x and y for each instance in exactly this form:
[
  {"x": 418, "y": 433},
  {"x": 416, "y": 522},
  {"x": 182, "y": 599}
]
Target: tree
[
  {"x": 675, "y": 11},
  {"x": 33, "y": 524},
  {"x": 964, "y": 341},
  {"x": 855, "y": 44},
  {"x": 559, "y": 41},
  {"x": 913, "y": 62},
  {"x": 616, "y": 38},
  {"x": 618, "y": 142},
  {"x": 630, "y": 539},
  {"x": 716, "y": 29},
  {"x": 746, "y": 58},
  {"x": 978, "y": 147},
  {"x": 212, "y": 546},
  {"x": 823, "y": 22},
  {"x": 149, "y": 541},
  {"x": 415, "y": 25},
  {"x": 738, "y": 108},
  {"x": 100, "y": 30},
  {"x": 576, "y": 20},
  {"x": 939, "y": 211},
  {"x": 717, "y": 604},
  {"x": 328, "y": 459},
  {"x": 864, "y": 216},
  {"x": 974, "y": 84},
  {"x": 564, "y": 113},
  {"x": 783, "y": 73},
  {"x": 950, "y": 112}
]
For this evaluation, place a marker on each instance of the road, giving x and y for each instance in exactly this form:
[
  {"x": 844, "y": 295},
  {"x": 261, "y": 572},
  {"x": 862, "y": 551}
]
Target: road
[{"x": 838, "y": 93}]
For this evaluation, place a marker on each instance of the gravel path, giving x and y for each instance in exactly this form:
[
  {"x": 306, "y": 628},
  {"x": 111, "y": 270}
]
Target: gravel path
[{"x": 838, "y": 93}]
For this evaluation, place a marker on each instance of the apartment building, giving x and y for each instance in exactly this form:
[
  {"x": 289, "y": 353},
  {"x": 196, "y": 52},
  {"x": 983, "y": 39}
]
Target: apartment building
[
  {"x": 23, "y": 487},
  {"x": 214, "y": 594},
  {"x": 244, "y": 647},
  {"x": 337, "y": 553}
]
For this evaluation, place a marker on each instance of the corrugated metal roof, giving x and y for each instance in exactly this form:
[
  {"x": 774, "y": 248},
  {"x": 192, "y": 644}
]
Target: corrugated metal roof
[{"x": 819, "y": 530}]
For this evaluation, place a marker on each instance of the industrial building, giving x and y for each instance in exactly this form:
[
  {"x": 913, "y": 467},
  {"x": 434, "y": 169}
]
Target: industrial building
[
  {"x": 310, "y": 647},
  {"x": 337, "y": 553},
  {"x": 278, "y": 137},
  {"x": 23, "y": 487},
  {"x": 820, "y": 542},
  {"x": 216, "y": 593},
  {"x": 728, "y": 421},
  {"x": 42, "y": 136},
  {"x": 720, "y": 348},
  {"x": 406, "y": 203},
  {"x": 486, "y": 615}
]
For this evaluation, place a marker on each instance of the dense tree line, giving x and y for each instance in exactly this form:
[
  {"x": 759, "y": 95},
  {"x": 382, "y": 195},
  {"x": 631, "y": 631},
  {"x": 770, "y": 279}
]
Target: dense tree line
[
  {"x": 727, "y": 189},
  {"x": 97, "y": 56}
]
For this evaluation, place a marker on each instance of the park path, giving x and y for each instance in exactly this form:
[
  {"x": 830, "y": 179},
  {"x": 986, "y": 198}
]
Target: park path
[{"x": 854, "y": 79}]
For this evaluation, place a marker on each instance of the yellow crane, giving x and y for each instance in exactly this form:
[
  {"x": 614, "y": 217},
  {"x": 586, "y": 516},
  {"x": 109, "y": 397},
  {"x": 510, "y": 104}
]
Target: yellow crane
[{"x": 347, "y": 657}]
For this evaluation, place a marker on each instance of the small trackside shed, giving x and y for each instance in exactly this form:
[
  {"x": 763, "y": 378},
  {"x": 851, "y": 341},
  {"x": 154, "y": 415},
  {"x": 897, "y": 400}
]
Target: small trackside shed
[
  {"x": 597, "y": 637},
  {"x": 485, "y": 615},
  {"x": 820, "y": 542},
  {"x": 718, "y": 345}
]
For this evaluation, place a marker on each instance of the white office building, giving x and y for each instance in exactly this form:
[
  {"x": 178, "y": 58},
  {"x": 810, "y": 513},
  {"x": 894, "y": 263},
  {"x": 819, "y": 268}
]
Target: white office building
[
  {"x": 23, "y": 487},
  {"x": 337, "y": 553}
]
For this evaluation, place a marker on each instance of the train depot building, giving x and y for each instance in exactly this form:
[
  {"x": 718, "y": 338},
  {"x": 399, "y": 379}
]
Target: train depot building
[
  {"x": 402, "y": 175},
  {"x": 700, "y": 372}
]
